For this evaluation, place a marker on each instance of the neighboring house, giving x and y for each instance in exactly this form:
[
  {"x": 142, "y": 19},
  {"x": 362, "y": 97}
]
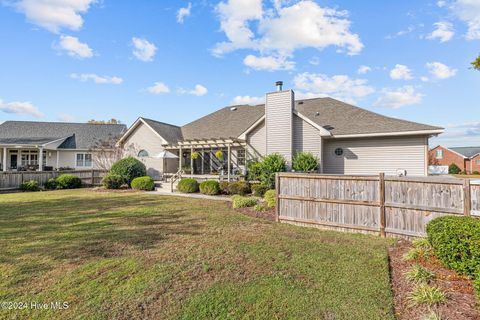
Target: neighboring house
[
  {"x": 466, "y": 158},
  {"x": 345, "y": 138},
  {"x": 26, "y": 145}
]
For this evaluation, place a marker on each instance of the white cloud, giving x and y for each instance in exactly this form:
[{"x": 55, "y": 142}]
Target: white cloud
[
  {"x": 268, "y": 63},
  {"x": 440, "y": 70},
  {"x": 143, "y": 49},
  {"x": 424, "y": 79},
  {"x": 396, "y": 98},
  {"x": 401, "y": 72},
  {"x": 240, "y": 100},
  {"x": 400, "y": 33},
  {"x": 283, "y": 29},
  {"x": 314, "y": 61},
  {"x": 443, "y": 31},
  {"x": 158, "y": 88},
  {"x": 459, "y": 134},
  {"x": 19, "y": 107},
  {"x": 54, "y": 15},
  {"x": 338, "y": 86},
  {"x": 441, "y": 3},
  {"x": 198, "y": 91},
  {"x": 469, "y": 12},
  {"x": 364, "y": 69},
  {"x": 74, "y": 47},
  {"x": 84, "y": 77},
  {"x": 182, "y": 13}
]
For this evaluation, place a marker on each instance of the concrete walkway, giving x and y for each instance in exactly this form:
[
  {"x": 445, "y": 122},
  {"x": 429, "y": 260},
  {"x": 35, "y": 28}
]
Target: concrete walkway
[{"x": 190, "y": 195}]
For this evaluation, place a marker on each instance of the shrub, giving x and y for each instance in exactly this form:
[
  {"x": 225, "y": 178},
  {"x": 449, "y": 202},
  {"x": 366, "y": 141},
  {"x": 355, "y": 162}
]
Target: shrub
[
  {"x": 238, "y": 187},
  {"x": 51, "y": 184},
  {"x": 112, "y": 181},
  {"x": 30, "y": 185},
  {"x": 129, "y": 168},
  {"x": 424, "y": 294},
  {"x": 259, "y": 190},
  {"x": 210, "y": 187},
  {"x": 254, "y": 170},
  {"x": 305, "y": 162},
  {"x": 243, "y": 202},
  {"x": 224, "y": 187},
  {"x": 417, "y": 254},
  {"x": 270, "y": 198},
  {"x": 453, "y": 169},
  {"x": 419, "y": 274},
  {"x": 68, "y": 181},
  {"x": 476, "y": 173},
  {"x": 476, "y": 284},
  {"x": 456, "y": 242},
  {"x": 271, "y": 164},
  {"x": 187, "y": 185},
  {"x": 143, "y": 183}
]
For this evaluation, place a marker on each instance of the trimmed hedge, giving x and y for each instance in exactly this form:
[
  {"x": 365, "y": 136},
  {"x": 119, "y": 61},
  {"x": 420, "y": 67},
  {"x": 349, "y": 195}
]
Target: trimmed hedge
[
  {"x": 259, "y": 190},
  {"x": 30, "y": 185},
  {"x": 453, "y": 169},
  {"x": 456, "y": 242},
  {"x": 129, "y": 168},
  {"x": 210, "y": 187},
  {"x": 68, "y": 181},
  {"x": 270, "y": 198},
  {"x": 305, "y": 162},
  {"x": 145, "y": 183},
  {"x": 51, "y": 184},
  {"x": 112, "y": 181},
  {"x": 187, "y": 185},
  {"x": 236, "y": 187},
  {"x": 244, "y": 202}
]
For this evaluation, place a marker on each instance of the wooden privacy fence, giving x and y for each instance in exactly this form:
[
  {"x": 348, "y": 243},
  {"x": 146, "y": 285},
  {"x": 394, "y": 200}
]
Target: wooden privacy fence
[
  {"x": 387, "y": 205},
  {"x": 13, "y": 180}
]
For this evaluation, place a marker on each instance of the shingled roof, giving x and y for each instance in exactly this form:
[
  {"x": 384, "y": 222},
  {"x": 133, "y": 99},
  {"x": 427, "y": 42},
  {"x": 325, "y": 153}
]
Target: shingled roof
[
  {"x": 467, "y": 152},
  {"x": 82, "y": 136},
  {"x": 169, "y": 132}
]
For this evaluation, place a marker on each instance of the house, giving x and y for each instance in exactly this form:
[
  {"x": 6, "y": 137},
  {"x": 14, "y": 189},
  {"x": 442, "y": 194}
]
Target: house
[
  {"x": 346, "y": 139},
  {"x": 466, "y": 158},
  {"x": 28, "y": 145}
]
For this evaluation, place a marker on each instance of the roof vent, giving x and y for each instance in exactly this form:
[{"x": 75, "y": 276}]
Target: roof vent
[
  {"x": 300, "y": 102},
  {"x": 233, "y": 109},
  {"x": 317, "y": 114},
  {"x": 279, "y": 85}
]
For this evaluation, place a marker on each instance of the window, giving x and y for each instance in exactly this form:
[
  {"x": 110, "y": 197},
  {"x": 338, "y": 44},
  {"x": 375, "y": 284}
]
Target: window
[
  {"x": 29, "y": 157},
  {"x": 477, "y": 162},
  {"x": 439, "y": 154},
  {"x": 84, "y": 160},
  {"x": 143, "y": 153},
  {"x": 241, "y": 157},
  {"x": 339, "y": 152}
]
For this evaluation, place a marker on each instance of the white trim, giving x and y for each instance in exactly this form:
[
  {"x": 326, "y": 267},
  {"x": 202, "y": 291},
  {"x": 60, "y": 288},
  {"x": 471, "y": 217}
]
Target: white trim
[
  {"x": 323, "y": 132},
  {"x": 134, "y": 126},
  {"x": 82, "y": 167},
  {"x": 404, "y": 133},
  {"x": 243, "y": 136},
  {"x": 61, "y": 140}
]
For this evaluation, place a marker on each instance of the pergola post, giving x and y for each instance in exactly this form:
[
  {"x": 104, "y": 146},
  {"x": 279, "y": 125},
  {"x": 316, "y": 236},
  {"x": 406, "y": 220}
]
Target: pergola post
[
  {"x": 4, "y": 163},
  {"x": 203, "y": 160},
  {"x": 40, "y": 159},
  {"x": 229, "y": 165},
  {"x": 191, "y": 161},
  {"x": 180, "y": 158},
  {"x": 58, "y": 158}
]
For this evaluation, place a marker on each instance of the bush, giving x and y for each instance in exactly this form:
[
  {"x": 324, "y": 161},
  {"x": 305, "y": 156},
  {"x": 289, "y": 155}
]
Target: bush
[
  {"x": 260, "y": 207},
  {"x": 476, "y": 284},
  {"x": 30, "y": 185},
  {"x": 453, "y": 169},
  {"x": 305, "y": 162},
  {"x": 129, "y": 168},
  {"x": 254, "y": 170},
  {"x": 456, "y": 242},
  {"x": 244, "y": 202},
  {"x": 145, "y": 183},
  {"x": 259, "y": 190},
  {"x": 239, "y": 187},
  {"x": 187, "y": 185},
  {"x": 270, "y": 198},
  {"x": 112, "y": 181},
  {"x": 68, "y": 181},
  {"x": 224, "y": 187},
  {"x": 476, "y": 173},
  {"x": 210, "y": 187},
  {"x": 51, "y": 184}
]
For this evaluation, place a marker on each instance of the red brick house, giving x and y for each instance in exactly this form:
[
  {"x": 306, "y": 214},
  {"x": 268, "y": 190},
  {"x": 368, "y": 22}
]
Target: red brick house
[{"x": 466, "y": 158}]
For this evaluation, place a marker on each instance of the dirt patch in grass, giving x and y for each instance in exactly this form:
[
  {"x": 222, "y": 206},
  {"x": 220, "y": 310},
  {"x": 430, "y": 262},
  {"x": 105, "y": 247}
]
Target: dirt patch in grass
[
  {"x": 461, "y": 302},
  {"x": 267, "y": 215}
]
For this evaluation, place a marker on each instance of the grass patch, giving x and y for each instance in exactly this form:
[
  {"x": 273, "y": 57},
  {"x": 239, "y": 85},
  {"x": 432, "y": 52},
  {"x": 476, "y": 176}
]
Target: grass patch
[
  {"x": 427, "y": 295},
  {"x": 134, "y": 255}
]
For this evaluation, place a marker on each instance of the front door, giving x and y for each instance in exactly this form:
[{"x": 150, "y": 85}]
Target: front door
[{"x": 13, "y": 161}]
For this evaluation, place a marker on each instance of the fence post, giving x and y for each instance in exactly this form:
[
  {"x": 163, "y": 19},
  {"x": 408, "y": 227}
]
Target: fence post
[
  {"x": 21, "y": 177},
  {"x": 382, "y": 203},
  {"x": 93, "y": 177},
  {"x": 277, "y": 194},
  {"x": 467, "y": 197}
]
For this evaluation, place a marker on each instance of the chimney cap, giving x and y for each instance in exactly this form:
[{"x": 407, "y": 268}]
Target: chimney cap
[{"x": 279, "y": 83}]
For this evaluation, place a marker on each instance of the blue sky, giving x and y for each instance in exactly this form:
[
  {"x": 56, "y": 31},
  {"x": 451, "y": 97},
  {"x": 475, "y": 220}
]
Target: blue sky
[{"x": 175, "y": 61}]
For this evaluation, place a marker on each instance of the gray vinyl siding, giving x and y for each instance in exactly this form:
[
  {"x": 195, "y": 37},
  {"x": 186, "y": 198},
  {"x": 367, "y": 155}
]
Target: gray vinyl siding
[
  {"x": 143, "y": 138},
  {"x": 306, "y": 138},
  {"x": 256, "y": 142},
  {"x": 375, "y": 155},
  {"x": 278, "y": 121}
]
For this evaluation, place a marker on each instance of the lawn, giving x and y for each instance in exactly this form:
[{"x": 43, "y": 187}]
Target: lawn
[{"x": 140, "y": 256}]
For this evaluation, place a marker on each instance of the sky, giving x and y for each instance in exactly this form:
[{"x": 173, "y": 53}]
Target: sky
[{"x": 175, "y": 61}]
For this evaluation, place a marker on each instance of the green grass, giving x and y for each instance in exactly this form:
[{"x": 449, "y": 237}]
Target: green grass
[{"x": 139, "y": 256}]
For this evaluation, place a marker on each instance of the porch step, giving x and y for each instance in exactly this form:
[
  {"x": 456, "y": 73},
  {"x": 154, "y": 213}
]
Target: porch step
[{"x": 164, "y": 186}]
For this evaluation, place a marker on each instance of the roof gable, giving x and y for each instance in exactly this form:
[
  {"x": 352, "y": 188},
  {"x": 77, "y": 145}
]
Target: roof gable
[{"x": 467, "y": 152}]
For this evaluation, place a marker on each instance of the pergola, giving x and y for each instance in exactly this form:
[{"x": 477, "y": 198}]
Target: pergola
[{"x": 202, "y": 144}]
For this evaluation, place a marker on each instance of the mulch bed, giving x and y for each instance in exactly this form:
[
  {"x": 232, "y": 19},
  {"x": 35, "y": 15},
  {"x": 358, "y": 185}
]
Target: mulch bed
[
  {"x": 461, "y": 303},
  {"x": 267, "y": 215}
]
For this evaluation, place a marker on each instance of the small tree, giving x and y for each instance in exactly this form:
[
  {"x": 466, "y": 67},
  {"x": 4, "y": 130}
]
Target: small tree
[
  {"x": 106, "y": 152},
  {"x": 129, "y": 168},
  {"x": 476, "y": 63},
  {"x": 305, "y": 162},
  {"x": 453, "y": 169}
]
